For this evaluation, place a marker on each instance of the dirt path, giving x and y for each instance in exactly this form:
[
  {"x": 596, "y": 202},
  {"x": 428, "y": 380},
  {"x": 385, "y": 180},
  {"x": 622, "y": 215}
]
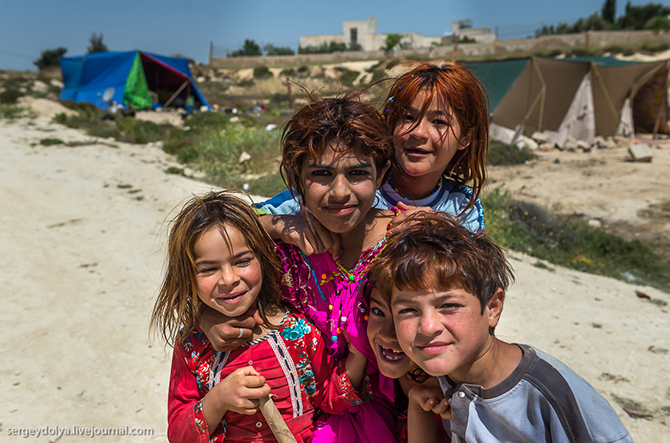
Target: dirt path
[{"x": 81, "y": 255}]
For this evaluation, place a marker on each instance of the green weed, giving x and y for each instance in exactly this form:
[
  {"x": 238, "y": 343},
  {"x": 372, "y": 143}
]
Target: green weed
[{"x": 528, "y": 228}]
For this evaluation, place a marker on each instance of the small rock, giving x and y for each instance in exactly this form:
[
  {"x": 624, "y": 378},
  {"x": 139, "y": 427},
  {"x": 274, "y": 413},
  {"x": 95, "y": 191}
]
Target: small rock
[
  {"x": 557, "y": 161},
  {"x": 641, "y": 153},
  {"x": 244, "y": 156},
  {"x": 595, "y": 223}
]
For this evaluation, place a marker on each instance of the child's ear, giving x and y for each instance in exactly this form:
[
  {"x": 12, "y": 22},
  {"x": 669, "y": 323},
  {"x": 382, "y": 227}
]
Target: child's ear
[
  {"x": 465, "y": 140},
  {"x": 495, "y": 307}
]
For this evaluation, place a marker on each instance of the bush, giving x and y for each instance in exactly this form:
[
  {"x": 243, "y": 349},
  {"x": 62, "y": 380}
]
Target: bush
[
  {"x": 10, "y": 96},
  {"x": 348, "y": 77},
  {"x": 262, "y": 72},
  {"x": 505, "y": 154},
  {"x": 51, "y": 141},
  {"x": 528, "y": 228},
  {"x": 12, "y": 112},
  {"x": 50, "y": 57},
  {"x": 287, "y": 72}
]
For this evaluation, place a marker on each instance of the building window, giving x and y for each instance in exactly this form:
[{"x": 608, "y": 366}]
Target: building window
[{"x": 353, "y": 35}]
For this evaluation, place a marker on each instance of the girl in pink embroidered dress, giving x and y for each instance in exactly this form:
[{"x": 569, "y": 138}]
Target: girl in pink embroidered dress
[
  {"x": 335, "y": 155},
  {"x": 220, "y": 255}
]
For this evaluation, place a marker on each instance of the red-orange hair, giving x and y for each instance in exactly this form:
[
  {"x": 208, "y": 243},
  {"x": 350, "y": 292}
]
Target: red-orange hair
[{"x": 453, "y": 86}]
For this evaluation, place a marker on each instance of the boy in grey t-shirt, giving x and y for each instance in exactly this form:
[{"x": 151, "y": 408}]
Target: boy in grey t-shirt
[{"x": 446, "y": 288}]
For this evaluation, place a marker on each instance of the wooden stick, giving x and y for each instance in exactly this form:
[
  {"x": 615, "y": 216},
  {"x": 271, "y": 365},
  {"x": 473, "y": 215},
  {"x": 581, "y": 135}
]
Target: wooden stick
[
  {"x": 181, "y": 88},
  {"x": 275, "y": 420}
]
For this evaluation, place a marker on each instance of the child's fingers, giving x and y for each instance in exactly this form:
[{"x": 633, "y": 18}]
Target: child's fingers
[{"x": 441, "y": 407}]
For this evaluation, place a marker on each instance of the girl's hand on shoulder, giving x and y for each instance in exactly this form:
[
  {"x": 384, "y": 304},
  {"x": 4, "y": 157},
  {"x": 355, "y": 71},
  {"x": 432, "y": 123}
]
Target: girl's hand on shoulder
[
  {"x": 355, "y": 364},
  {"x": 406, "y": 213},
  {"x": 430, "y": 399},
  {"x": 228, "y": 333},
  {"x": 292, "y": 229},
  {"x": 241, "y": 390}
]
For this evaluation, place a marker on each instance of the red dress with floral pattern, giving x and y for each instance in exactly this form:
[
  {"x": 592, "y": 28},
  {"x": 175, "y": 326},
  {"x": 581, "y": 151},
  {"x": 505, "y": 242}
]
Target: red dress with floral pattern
[{"x": 295, "y": 362}]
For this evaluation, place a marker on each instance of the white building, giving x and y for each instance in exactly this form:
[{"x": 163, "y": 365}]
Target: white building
[
  {"x": 364, "y": 32},
  {"x": 463, "y": 28}
]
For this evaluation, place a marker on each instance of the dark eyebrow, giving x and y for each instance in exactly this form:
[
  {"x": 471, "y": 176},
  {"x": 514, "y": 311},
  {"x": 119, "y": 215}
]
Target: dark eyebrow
[
  {"x": 212, "y": 262},
  {"x": 360, "y": 165}
]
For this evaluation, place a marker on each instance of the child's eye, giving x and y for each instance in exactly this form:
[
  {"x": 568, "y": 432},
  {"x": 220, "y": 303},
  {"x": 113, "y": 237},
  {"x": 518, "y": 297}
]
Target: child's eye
[
  {"x": 377, "y": 312},
  {"x": 321, "y": 172},
  {"x": 450, "y": 306},
  {"x": 407, "y": 311},
  {"x": 409, "y": 118},
  {"x": 359, "y": 172},
  {"x": 439, "y": 121},
  {"x": 206, "y": 271}
]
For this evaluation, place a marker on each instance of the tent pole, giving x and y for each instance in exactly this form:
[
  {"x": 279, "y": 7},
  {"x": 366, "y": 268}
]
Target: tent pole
[
  {"x": 661, "y": 106},
  {"x": 599, "y": 79},
  {"x": 539, "y": 97},
  {"x": 543, "y": 93},
  {"x": 181, "y": 88}
]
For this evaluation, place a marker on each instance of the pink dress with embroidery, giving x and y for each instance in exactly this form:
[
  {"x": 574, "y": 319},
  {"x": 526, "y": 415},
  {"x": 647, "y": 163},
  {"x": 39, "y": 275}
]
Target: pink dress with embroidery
[
  {"x": 325, "y": 292},
  {"x": 295, "y": 362}
]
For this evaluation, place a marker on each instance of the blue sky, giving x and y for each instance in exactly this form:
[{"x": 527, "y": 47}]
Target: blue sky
[{"x": 169, "y": 27}]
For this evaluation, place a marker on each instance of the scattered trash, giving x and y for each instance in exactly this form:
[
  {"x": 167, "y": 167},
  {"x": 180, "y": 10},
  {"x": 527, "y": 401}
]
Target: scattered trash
[
  {"x": 270, "y": 127},
  {"x": 557, "y": 161},
  {"x": 595, "y": 223},
  {"x": 630, "y": 278},
  {"x": 245, "y": 187}
]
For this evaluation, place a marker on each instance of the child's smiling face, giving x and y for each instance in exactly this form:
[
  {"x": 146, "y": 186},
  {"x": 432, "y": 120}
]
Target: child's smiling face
[
  {"x": 392, "y": 361},
  {"x": 445, "y": 331},
  {"x": 228, "y": 274},
  {"x": 340, "y": 187}
]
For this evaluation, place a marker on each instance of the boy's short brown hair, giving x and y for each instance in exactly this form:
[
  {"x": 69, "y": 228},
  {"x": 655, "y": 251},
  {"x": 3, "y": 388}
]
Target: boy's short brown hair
[{"x": 434, "y": 251}]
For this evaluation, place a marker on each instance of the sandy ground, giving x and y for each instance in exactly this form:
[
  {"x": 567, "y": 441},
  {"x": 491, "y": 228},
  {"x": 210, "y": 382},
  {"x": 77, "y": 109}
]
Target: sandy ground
[{"x": 81, "y": 253}]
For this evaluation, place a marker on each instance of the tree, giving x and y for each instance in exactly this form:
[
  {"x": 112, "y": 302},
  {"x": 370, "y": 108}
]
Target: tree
[
  {"x": 392, "y": 40},
  {"x": 637, "y": 17},
  {"x": 95, "y": 44},
  {"x": 609, "y": 11},
  {"x": 249, "y": 49},
  {"x": 50, "y": 57},
  {"x": 271, "y": 49}
]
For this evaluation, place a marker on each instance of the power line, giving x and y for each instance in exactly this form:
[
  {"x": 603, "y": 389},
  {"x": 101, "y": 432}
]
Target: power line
[{"x": 14, "y": 54}]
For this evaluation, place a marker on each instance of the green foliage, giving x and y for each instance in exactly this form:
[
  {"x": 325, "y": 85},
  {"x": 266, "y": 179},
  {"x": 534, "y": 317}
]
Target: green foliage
[
  {"x": 51, "y": 141},
  {"x": 95, "y": 44},
  {"x": 271, "y": 49},
  {"x": 658, "y": 23},
  {"x": 348, "y": 77},
  {"x": 636, "y": 17},
  {"x": 572, "y": 243},
  {"x": 261, "y": 72},
  {"x": 269, "y": 184},
  {"x": 10, "y": 96},
  {"x": 249, "y": 49},
  {"x": 392, "y": 41},
  {"x": 506, "y": 154},
  {"x": 609, "y": 11},
  {"x": 50, "y": 57},
  {"x": 355, "y": 46},
  {"x": 465, "y": 39},
  {"x": 287, "y": 72},
  {"x": 218, "y": 153},
  {"x": 324, "y": 48},
  {"x": 11, "y": 112}
]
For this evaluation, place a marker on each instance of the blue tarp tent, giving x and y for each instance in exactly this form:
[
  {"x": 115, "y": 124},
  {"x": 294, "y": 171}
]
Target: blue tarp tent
[{"x": 132, "y": 75}]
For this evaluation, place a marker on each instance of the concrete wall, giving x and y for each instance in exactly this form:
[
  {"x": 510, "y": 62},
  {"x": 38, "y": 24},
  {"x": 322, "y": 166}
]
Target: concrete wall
[{"x": 590, "y": 39}]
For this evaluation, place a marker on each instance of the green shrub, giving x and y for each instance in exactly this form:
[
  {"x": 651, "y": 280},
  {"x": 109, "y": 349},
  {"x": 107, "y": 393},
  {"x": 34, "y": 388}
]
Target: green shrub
[
  {"x": 51, "y": 141},
  {"x": 262, "y": 72},
  {"x": 287, "y": 72},
  {"x": 12, "y": 112},
  {"x": 506, "y": 154},
  {"x": 10, "y": 96},
  {"x": 348, "y": 77},
  {"x": 530, "y": 229}
]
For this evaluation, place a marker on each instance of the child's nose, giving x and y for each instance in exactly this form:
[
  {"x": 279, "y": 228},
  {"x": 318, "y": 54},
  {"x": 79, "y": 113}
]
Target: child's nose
[
  {"x": 228, "y": 276},
  {"x": 430, "y": 323},
  {"x": 340, "y": 188}
]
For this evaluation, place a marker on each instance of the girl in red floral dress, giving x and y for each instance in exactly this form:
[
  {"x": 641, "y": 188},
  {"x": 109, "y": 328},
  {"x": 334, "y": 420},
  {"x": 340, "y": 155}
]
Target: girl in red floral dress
[{"x": 219, "y": 255}]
